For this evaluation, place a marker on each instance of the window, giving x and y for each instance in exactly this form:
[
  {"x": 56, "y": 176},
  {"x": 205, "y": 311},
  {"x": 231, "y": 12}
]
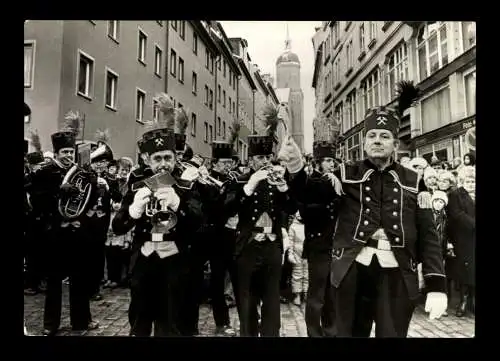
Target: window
[
  {"x": 351, "y": 110},
  {"x": 335, "y": 31},
  {"x": 372, "y": 34},
  {"x": 142, "y": 46},
  {"x": 174, "y": 24},
  {"x": 207, "y": 58},
  {"x": 470, "y": 93},
  {"x": 219, "y": 65},
  {"x": 224, "y": 98},
  {"x": 371, "y": 90},
  {"x": 339, "y": 117},
  {"x": 194, "y": 83},
  {"x": 158, "y": 56},
  {"x": 230, "y": 102},
  {"x": 435, "y": 110},
  {"x": 140, "y": 100},
  {"x": 205, "y": 137},
  {"x": 85, "y": 75},
  {"x": 111, "y": 88},
  {"x": 181, "y": 70},
  {"x": 218, "y": 126},
  {"x": 224, "y": 130},
  {"x": 224, "y": 70},
  {"x": 235, "y": 78},
  {"x": 469, "y": 34},
  {"x": 193, "y": 124},
  {"x": 354, "y": 147},
  {"x": 218, "y": 93},
  {"x": 336, "y": 72},
  {"x": 182, "y": 29},
  {"x": 362, "y": 45},
  {"x": 211, "y": 100},
  {"x": 432, "y": 48},
  {"x": 234, "y": 108},
  {"x": 29, "y": 55},
  {"x": 230, "y": 77},
  {"x": 114, "y": 29},
  {"x": 195, "y": 43},
  {"x": 397, "y": 69},
  {"x": 349, "y": 55},
  {"x": 206, "y": 95},
  {"x": 211, "y": 132},
  {"x": 156, "y": 110},
  {"x": 173, "y": 62},
  {"x": 211, "y": 64}
]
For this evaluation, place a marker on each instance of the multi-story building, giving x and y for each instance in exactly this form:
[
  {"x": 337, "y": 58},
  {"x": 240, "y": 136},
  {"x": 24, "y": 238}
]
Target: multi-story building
[
  {"x": 107, "y": 70},
  {"x": 111, "y": 71},
  {"x": 367, "y": 58}
]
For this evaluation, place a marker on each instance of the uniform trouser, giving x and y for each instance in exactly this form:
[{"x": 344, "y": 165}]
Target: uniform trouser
[
  {"x": 320, "y": 310},
  {"x": 155, "y": 295},
  {"x": 34, "y": 253},
  {"x": 372, "y": 293},
  {"x": 115, "y": 263},
  {"x": 67, "y": 256},
  {"x": 217, "y": 247},
  {"x": 259, "y": 272},
  {"x": 96, "y": 262}
]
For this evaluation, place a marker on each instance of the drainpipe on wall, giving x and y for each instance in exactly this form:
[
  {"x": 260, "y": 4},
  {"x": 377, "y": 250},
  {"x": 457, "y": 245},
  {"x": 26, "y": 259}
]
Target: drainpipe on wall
[
  {"x": 253, "y": 111},
  {"x": 217, "y": 61},
  {"x": 167, "y": 58}
]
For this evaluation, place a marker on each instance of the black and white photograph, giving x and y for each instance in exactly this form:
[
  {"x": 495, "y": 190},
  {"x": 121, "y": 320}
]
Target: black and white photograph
[{"x": 249, "y": 178}]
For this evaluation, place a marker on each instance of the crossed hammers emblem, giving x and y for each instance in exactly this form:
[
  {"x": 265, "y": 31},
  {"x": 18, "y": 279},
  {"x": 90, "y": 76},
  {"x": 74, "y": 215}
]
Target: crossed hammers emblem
[
  {"x": 381, "y": 120},
  {"x": 159, "y": 142}
]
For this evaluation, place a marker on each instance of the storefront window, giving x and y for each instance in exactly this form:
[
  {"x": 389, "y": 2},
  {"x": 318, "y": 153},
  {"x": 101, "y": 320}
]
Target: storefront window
[
  {"x": 469, "y": 34},
  {"x": 435, "y": 110},
  {"x": 470, "y": 93}
]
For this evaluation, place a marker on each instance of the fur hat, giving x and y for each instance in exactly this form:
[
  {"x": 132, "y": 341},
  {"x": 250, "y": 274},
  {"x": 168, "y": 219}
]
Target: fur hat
[{"x": 439, "y": 195}]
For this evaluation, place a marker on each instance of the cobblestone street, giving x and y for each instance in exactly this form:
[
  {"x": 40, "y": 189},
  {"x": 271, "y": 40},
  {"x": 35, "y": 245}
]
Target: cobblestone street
[{"x": 111, "y": 312}]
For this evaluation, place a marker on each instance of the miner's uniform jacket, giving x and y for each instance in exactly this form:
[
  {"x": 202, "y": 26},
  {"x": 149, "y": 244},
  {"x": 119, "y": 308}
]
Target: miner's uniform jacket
[
  {"x": 265, "y": 198},
  {"x": 387, "y": 200},
  {"x": 317, "y": 206}
]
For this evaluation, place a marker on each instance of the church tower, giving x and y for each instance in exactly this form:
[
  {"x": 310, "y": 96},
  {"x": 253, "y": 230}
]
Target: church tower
[{"x": 288, "y": 82}]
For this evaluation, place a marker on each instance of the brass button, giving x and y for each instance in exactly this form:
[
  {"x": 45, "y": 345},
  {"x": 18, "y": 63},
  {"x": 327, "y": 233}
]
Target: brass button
[
  {"x": 270, "y": 193},
  {"x": 396, "y": 239},
  {"x": 253, "y": 218},
  {"x": 270, "y": 187},
  {"x": 319, "y": 234},
  {"x": 395, "y": 190},
  {"x": 395, "y": 226},
  {"x": 361, "y": 234},
  {"x": 256, "y": 201},
  {"x": 367, "y": 210},
  {"x": 255, "y": 210},
  {"x": 395, "y": 201},
  {"x": 365, "y": 223},
  {"x": 327, "y": 206},
  {"x": 395, "y": 214},
  {"x": 332, "y": 217},
  {"x": 368, "y": 199},
  {"x": 367, "y": 188}
]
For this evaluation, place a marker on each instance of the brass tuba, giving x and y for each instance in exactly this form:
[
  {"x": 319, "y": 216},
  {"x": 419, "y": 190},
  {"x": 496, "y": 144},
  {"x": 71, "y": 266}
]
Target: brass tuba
[{"x": 74, "y": 205}]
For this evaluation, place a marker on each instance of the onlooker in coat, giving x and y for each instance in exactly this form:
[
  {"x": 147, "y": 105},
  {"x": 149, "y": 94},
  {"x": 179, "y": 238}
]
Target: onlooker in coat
[
  {"x": 462, "y": 227},
  {"x": 300, "y": 274}
]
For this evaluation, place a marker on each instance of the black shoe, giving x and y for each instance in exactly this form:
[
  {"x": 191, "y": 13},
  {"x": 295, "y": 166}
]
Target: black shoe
[
  {"x": 30, "y": 291},
  {"x": 225, "y": 331}
]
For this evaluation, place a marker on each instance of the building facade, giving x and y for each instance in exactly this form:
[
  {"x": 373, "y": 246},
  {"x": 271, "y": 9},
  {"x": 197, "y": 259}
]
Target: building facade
[
  {"x": 111, "y": 70},
  {"x": 364, "y": 60}
]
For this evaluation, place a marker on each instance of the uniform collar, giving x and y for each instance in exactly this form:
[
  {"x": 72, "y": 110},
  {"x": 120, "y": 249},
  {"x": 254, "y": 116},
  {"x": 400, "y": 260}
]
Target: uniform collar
[{"x": 367, "y": 163}]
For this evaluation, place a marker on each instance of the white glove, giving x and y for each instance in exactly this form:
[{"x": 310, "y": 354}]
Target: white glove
[
  {"x": 101, "y": 181},
  {"x": 168, "y": 197},
  {"x": 290, "y": 153},
  {"x": 138, "y": 206},
  {"x": 336, "y": 183},
  {"x": 449, "y": 246},
  {"x": 203, "y": 171},
  {"x": 190, "y": 174},
  {"x": 292, "y": 256},
  {"x": 254, "y": 180},
  {"x": 421, "y": 282},
  {"x": 436, "y": 304}
]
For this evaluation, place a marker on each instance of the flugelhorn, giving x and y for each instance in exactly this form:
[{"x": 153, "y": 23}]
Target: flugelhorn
[
  {"x": 276, "y": 174},
  {"x": 203, "y": 179}
]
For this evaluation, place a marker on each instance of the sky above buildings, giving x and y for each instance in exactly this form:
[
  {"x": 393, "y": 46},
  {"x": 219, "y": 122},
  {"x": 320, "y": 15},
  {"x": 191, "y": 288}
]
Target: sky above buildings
[{"x": 266, "y": 41}]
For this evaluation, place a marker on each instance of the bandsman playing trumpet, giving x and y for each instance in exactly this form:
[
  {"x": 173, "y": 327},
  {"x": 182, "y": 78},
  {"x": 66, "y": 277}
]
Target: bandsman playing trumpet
[
  {"x": 159, "y": 243},
  {"x": 259, "y": 198},
  {"x": 67, "y": 250}
]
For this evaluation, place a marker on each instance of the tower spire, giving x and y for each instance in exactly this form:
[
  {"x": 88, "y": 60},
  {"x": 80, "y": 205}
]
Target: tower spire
[{"x": 288, "y": 42}]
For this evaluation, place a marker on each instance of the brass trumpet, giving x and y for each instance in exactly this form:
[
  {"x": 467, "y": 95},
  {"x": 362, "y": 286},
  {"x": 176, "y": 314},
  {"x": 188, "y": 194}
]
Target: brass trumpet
[
  {"x": 276, "y": 174},
  {"x": 203, "y": 179}
]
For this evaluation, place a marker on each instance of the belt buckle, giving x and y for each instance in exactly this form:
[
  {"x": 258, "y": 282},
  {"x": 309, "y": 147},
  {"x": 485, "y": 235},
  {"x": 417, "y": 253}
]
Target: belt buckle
[
  {"x": 267, "y": 230},
  {"x": 156, "y": 237}
]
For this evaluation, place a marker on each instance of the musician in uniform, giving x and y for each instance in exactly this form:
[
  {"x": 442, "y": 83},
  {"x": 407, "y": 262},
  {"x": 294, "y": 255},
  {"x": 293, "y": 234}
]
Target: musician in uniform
[
  {"x": 318, "y": 211},
  {"x": 380, "y": 237},
  {"x": 67, "y": 249},
  {"x": 259, "y": 249},
  {"x": 159, "y": 256}
]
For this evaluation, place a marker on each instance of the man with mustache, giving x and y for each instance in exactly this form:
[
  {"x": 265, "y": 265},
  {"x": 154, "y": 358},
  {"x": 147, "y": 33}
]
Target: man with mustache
[
  {"x": 159, "y": 254},
  {"x": 380, "y": 236}
]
